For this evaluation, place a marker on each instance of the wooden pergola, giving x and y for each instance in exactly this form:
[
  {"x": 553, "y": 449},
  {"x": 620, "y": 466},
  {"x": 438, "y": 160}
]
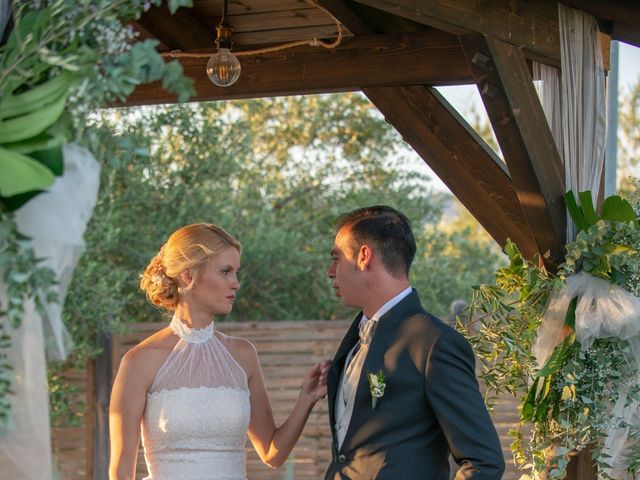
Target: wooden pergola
[{"x": 396, "y": 52}]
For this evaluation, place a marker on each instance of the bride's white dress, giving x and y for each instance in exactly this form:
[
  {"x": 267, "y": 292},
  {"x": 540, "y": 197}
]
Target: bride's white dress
[{"x": 197, "y": 413}]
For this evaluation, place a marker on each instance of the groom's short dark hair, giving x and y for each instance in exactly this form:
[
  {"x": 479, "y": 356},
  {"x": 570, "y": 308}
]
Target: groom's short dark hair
[{"x": 389, "y": 232}]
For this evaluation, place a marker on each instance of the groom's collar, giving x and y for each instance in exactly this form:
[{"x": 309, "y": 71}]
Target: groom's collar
[
  {"x": 408, "y": 305},
  {"x": 392, "y": 302}
]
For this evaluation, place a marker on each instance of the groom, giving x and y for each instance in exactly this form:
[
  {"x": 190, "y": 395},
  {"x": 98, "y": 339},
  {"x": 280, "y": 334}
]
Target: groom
[{"x": 402, "y": 388}]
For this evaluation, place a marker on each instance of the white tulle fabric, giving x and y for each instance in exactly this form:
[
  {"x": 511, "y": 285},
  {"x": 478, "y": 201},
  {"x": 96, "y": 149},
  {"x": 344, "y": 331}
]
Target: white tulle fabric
[
  {"x": 604, "y": 310},
  {"x": 198, "y": 411}
]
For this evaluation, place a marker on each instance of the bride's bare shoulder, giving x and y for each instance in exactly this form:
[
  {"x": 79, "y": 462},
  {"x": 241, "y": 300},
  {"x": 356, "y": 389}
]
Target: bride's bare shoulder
[{"x": 152, "y": 349}]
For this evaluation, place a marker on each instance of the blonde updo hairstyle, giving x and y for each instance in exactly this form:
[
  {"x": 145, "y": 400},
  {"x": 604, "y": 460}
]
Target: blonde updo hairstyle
[{"x": 189, "y": 247}]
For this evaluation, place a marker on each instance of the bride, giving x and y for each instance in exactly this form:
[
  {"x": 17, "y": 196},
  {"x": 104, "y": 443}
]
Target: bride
[{"x": 192, "y": 392}]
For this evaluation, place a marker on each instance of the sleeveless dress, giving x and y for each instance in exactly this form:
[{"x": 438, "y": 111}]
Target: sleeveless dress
[{"x": 197, "y": 412}]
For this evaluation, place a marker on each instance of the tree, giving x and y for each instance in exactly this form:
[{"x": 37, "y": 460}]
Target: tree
[
  {"x": 275, "y": 173},
  {"x": 629, "y": 137}
]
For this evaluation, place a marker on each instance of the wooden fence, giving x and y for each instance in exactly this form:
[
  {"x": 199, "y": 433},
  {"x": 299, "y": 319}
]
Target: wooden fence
[{"x": 286, "y": 350}]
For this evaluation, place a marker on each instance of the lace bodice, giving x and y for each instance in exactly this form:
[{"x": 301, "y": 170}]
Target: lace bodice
[{"x": 197, "y": 412}]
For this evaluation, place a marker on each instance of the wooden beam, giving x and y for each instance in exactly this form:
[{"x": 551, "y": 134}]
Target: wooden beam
[
  {"x": 525, "y": 138},
  {"x": 621, "y": 20},
  {"x": 100, "y": 379},
  {"x": 180, "y": 31},
  {"x": 531, "y": 25},
  {"x": 459, "y": 157},
  {"x": 379, "y": 60}
]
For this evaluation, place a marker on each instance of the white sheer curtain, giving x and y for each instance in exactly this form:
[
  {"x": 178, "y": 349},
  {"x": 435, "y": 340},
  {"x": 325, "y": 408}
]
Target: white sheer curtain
[
  {"x": 56, "y": 221},
  {"x": 547, "y": 82},
  {"x": 575, "y": 103}
]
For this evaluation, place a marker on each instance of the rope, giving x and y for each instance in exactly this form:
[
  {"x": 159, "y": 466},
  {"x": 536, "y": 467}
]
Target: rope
[{"x": 314, "y": 42}]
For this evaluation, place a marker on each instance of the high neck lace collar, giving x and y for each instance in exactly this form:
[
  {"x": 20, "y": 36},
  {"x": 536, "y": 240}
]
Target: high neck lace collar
[{"x": 191, "y": 335}]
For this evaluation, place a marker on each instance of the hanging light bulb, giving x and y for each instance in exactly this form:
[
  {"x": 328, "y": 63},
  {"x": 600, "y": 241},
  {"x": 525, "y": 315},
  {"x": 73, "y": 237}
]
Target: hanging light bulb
[{"x": 223, "y": 68}]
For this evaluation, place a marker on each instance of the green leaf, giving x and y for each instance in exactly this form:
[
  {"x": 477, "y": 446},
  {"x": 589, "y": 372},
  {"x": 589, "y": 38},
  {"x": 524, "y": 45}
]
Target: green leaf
[
  {"x": 586, "y": 205},
  {"x": 14, "y": 202},
  {"x": 20, "y": 174},
  {"x": 558, "y": 358},
  {"x": 617, "y": 276},
  {"x": 42, "y": 141},
  {"x": 570, "y": 317},
  {"x": 29, "y": 28},
  {"x": 52, "y": 158},
  {"x": 544, "y": 400},
  {"x": 575, "y": 211},
  {"x": 617, "y": 209},
  {"x": 528, "y": 407}
]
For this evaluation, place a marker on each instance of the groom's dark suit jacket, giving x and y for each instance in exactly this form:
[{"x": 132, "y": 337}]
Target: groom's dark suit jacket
[{"x": 431, "y": 405}]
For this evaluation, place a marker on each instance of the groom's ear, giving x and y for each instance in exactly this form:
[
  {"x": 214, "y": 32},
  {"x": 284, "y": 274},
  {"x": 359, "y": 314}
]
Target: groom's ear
[{"x": 365, "y": 254}]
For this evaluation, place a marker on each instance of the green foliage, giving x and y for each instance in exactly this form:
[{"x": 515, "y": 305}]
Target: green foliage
[
  {"x": 65, "y": 401},
  {"x": 67, "y": 55},
  {"x": 509, "y": 314},
  {"x": 569, "y": 399},
  {"x": 449, "y": 261},
  {"x": 274, "y": 173},
  {"x": 606, "y": 244}
]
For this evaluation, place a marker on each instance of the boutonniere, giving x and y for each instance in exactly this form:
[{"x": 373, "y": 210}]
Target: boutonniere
[{"x": 376, "y": 387}]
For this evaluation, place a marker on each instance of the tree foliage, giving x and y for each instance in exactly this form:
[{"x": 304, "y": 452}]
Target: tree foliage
[
  {"x": 274, "y": 173},
  {"x": 629, "y": 137}
]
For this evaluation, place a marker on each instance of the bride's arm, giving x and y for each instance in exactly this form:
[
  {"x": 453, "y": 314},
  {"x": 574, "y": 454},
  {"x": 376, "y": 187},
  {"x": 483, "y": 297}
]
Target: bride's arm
[
  {"x": 126, "y": 407},
  {"x": 272, "y": 444}
]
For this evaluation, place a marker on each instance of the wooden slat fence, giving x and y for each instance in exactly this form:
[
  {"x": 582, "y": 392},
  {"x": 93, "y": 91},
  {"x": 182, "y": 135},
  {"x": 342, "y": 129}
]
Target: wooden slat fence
[{"x": 286, "y": 350}]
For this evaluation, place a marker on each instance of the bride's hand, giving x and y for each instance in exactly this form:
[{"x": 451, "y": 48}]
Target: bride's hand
[{"x": 315, "y": 381}]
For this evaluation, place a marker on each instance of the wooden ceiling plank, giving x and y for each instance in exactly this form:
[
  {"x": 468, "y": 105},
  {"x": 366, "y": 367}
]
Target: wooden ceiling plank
[
  {"x": 272, "y": 20},
  {"x": 379, "y": 60},
  {"x": 212, "y": 8},
  {"x": 180, "y": 31},
  {"x": 459, "y": 157},
  {"x": 244, "y": 40},
  {"x": 347, "y": 17},
  {"x": 524, "y": 136},
  {"x": 533, "y": 25}
]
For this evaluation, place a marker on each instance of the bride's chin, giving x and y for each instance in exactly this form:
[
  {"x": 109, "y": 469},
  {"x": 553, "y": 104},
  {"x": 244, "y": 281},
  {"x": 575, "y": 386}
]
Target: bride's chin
[{"x": 223, "y": 310}]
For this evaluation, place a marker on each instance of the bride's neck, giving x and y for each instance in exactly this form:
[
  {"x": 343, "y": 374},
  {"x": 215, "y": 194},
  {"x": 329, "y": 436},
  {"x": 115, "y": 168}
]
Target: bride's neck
[{"x": 192, "y": 317}]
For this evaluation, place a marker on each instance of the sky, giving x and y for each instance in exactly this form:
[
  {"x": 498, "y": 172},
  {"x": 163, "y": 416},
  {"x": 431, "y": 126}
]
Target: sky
[{"x": 465, "y": 98}]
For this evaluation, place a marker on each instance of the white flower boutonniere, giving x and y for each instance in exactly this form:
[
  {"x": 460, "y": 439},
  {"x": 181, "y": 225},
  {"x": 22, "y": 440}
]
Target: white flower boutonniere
[{"x": 377, "y": 386}]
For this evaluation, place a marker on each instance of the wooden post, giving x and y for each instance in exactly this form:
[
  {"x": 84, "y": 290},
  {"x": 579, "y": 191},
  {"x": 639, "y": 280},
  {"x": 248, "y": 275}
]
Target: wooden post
[
  {"x": 581, "y": 467},
  {"x": 100, "y": 378}
]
